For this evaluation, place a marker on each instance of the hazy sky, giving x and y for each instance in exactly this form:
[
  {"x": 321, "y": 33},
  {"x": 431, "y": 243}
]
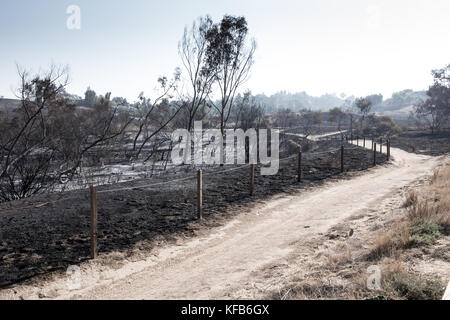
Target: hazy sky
[{"x": 323, "y": 46}]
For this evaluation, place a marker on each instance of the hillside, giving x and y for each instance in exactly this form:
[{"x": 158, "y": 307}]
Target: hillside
[{"x": 9, "y": 104}]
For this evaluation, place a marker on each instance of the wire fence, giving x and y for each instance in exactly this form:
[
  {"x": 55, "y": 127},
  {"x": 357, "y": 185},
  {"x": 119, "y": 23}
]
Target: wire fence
[
  {"x": 58, "y": 227},
  {"x": 157, "y": 185}
]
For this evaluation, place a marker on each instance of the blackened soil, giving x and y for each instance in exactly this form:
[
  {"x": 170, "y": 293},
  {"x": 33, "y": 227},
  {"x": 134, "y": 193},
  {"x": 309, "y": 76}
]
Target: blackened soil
[
  {"x": 423, "y": 142},
  {"x": 50, "y": 232}
]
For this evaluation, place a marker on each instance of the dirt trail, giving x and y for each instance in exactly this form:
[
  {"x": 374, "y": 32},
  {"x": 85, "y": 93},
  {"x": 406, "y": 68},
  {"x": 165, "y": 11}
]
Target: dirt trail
[
  {"x": 215, "y": 266},
  {"x": 316, "y": 137}
]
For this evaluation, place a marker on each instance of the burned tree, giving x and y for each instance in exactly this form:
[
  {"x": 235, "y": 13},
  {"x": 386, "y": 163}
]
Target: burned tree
[
  {"x": 308, "y": 121},
  {"x": 363, "y": 106},
  {"x": 46, "y": 137},
  {"x": 153, "y": 117},
  {"x": 435, "y": 111},
  {"x": 231, "y": 57},
  {"x": 338, "y": 116},
  {"x": 193, "y": 52},
  {"x": 285, "y": 118},
  {"x": 249, "y": 114}
]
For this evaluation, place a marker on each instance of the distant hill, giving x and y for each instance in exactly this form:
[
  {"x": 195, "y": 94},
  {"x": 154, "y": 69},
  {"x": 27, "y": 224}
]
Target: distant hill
[
  {"x": 301, "y": 100},
  {"x": 7, "y": 105},
  {"x": 298, "y": 101},
  {"x": 401, "y": 100},
  {"x": 399, "y": 104}
]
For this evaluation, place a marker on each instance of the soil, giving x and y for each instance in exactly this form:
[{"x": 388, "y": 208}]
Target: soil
[
  {"x": 423, "y": 142},
  {"x": 45, "y": 234},
  {"x": 265, "y": 243}
]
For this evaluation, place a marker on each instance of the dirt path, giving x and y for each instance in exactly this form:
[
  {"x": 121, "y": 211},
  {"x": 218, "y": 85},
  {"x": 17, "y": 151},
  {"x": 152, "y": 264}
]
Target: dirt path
[
  {"x": 316, "y": 137},
  {"x": 217, "y": 265}
]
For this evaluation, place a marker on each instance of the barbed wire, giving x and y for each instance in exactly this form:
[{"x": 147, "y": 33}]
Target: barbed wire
[{"x": 158, "y": 184}]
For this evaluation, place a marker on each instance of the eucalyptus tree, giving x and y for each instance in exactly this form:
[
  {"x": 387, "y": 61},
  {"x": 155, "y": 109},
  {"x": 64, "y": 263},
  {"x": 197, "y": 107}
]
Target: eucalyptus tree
[{"x": 230, "y": 55}]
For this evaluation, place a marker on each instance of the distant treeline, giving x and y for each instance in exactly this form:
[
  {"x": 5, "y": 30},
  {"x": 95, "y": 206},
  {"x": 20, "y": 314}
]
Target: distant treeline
[{"x": 300, "y": 100}]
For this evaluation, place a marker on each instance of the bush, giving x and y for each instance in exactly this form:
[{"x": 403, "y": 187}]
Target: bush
[
  {"x": 423, "y": 233},
  {"x": 404, "y": 285}
]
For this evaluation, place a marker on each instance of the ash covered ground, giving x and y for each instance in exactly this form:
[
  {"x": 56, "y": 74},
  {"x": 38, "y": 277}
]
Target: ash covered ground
[{"x": 49, "y": 232}]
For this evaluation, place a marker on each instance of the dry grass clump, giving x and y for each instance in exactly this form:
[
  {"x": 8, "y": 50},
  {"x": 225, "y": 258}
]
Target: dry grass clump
[
  {"x": 435, "y": 207},
  {"x": 387, "y": 244},
  {"x": 399, "y": 284},
  {"x": 335, "y": 260},
  {"x": 321, "y": 288},
  {"x": 427, "y": 218},
  {"x": 411, "y": 199}
]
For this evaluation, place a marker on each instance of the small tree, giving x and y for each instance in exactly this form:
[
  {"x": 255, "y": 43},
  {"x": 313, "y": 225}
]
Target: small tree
[
  {"x": 308, "y": 121},
  {"x": 231, "y": 58},
  {"x": 152, "y": 117},
  {"x": 193, "y": 50},
  {"x": 381, "y": 126},
  {"x": 285, "y": 118},
  {"x": 435, "y": 111},
  {"x": 46, "y": 137},
  {"x": 375, "y": 99},
  {"x": 249, "y": 114},
  {"x": 364, "y": 106},
  {"x": 90, "y": 97},
  {"x": 338, "y": 116}
]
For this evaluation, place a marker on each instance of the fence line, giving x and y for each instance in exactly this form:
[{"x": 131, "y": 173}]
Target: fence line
[{"x": 157, "y": 184}]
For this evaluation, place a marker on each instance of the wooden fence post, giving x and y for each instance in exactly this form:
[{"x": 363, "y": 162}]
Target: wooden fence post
[
  {"x": 364, "y": 143},
  {"x": 199, "y": 195},
  {"x": 342, "y": 158},
  {"x": 94, "y": 224},
  {"x": 252, "y": 178},
  {"x": 388, "y": 150},
  {"x": 374, "y": 154},
  {"x": 372, "y": 143},
  {"x": 299, "y": 168},
  {"x": 357, "y": 140}
]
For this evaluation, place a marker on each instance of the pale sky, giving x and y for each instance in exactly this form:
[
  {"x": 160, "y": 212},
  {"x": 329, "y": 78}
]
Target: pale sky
[{"x": 324, "y": 46}]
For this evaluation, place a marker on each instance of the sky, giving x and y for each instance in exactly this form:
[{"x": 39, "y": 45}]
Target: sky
[{"x": 355, "y": 47}]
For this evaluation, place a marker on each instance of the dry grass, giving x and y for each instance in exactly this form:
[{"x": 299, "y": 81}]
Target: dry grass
[
  {"x": 427, "y": 218},
  {"x": 387, "y": 244},
  {"x": 340, "y": 271},
  {"x": 411, "y": 199},
  {"x": 435, "y": 205},
  {"x": 399, "y": 284},
  {"x": 312, "y": 289}
]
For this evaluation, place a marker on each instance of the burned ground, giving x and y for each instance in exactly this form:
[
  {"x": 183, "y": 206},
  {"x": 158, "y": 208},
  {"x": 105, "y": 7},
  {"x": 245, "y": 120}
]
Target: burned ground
[
  {"x": 422, "y": 142},
  {"x": 50, "y": 232}
]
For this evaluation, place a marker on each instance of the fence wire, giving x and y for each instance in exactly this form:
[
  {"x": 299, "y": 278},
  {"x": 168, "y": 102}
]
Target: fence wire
[{"x": 191, "y": 179}]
